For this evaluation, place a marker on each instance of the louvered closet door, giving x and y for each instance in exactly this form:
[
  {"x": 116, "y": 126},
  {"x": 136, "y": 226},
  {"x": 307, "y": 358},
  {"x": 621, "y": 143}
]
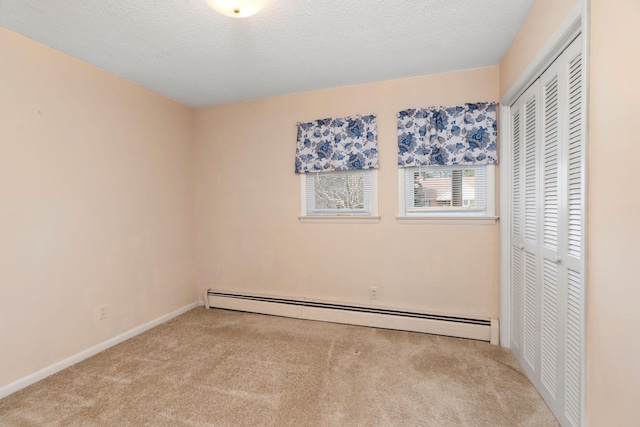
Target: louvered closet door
[
  {"x": 524, "y": 238},
  {"x": 547, "y": 268},
  {"x": 517, "y": 230},
  {"x": 553, "y": 115},
  {"x": 573, "y": 234}
]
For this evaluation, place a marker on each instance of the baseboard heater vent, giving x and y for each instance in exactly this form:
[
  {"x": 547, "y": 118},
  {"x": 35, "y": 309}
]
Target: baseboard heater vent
[{"x": 463, "y": 327}]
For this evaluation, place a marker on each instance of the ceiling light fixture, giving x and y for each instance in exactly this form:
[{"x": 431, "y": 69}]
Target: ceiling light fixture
[{"x": 237, "y": 8}]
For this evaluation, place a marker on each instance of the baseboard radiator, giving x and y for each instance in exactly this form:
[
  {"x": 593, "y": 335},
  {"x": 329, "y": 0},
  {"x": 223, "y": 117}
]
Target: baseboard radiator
[{"x": 462, "y": 327}]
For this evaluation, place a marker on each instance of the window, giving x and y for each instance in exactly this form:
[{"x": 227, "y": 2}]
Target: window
[
  {"x": 337, "y": 160},
  {"x": 457, "y": 192},
  {"x": 344, "y": 194}
]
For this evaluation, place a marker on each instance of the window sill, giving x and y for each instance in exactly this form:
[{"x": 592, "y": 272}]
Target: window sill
[
  {"x": 448, "y": 220},
  {"x": 339, "y": 219}
]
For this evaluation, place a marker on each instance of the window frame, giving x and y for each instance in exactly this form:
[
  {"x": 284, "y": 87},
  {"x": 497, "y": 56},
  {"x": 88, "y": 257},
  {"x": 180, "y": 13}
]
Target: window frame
[
  {"x": 337, "y": 217},
  {"x": 449, "y": 216}
]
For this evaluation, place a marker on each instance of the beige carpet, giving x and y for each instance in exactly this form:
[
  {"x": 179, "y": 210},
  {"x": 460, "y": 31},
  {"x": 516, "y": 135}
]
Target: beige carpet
[{"x": 224, "y": 368}]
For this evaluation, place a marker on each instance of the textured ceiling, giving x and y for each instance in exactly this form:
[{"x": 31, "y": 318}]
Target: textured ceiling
[{"x": 188, "y": 52}]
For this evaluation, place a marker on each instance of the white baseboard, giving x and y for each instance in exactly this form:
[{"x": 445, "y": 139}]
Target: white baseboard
[{"x": 63, "y": 364}]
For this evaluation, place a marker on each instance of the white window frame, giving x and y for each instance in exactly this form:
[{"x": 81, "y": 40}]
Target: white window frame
[
  {"x": 341, "y": 218},
  {"x": 444, "y": 216}
]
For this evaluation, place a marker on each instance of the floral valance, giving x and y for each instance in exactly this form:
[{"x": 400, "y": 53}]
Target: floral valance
[
  {"x": 334, "y": 144},
  {"x": 457, "y": 135}
]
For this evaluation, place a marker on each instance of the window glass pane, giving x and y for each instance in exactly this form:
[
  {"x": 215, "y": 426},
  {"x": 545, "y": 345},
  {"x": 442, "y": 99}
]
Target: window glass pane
[
  {"x": 445, "y": 188},
  {"x": 339, "y": 192}
]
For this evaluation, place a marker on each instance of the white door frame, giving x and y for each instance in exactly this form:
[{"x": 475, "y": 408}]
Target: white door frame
[{"x": 575, "y": 23}]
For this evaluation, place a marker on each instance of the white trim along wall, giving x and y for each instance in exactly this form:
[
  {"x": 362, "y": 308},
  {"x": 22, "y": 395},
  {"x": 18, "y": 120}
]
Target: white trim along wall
[{"x": 85, "y": 354}]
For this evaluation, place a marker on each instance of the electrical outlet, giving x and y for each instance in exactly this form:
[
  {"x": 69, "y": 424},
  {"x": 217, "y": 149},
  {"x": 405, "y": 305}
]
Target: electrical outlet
[
  {"x": 373, "y": 292},
  {"x": 101, "y": 312}
]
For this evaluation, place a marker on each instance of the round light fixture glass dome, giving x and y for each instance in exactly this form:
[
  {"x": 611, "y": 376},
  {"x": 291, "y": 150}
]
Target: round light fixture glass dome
[{"x": 237, "y": 8}]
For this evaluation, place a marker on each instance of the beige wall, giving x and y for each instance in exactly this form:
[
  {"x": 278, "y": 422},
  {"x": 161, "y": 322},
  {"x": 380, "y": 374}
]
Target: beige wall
[
  {"x": 248, "y": 202},
  {"x": 613, "y": 337},
  {"x": 96, "y": 196},
  {"x": 613, "y": 371},
  {"x": 543, "y": 19},
  {"x": 96, "y": 206}
]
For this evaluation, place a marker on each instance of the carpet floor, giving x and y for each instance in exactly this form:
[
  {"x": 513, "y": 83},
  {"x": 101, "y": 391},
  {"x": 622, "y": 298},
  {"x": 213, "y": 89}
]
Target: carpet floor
[{"x": 225, "y": 368}]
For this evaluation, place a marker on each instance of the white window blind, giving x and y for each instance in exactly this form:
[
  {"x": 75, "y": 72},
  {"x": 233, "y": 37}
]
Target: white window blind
[
  {"x": 339, "y": 193},
  {"x": 444, "y": 190}
]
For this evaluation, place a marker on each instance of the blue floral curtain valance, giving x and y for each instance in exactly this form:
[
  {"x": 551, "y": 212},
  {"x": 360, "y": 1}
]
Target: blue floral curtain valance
[
  {"x": 458, "y": 135},
  {"x": 334, "y": 144}
]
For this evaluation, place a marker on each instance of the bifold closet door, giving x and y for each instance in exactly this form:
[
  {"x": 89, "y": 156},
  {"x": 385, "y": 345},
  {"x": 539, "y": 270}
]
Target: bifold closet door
[
  {"x": 547, "y": 236},
  {"x": 524, "y": 238}
]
